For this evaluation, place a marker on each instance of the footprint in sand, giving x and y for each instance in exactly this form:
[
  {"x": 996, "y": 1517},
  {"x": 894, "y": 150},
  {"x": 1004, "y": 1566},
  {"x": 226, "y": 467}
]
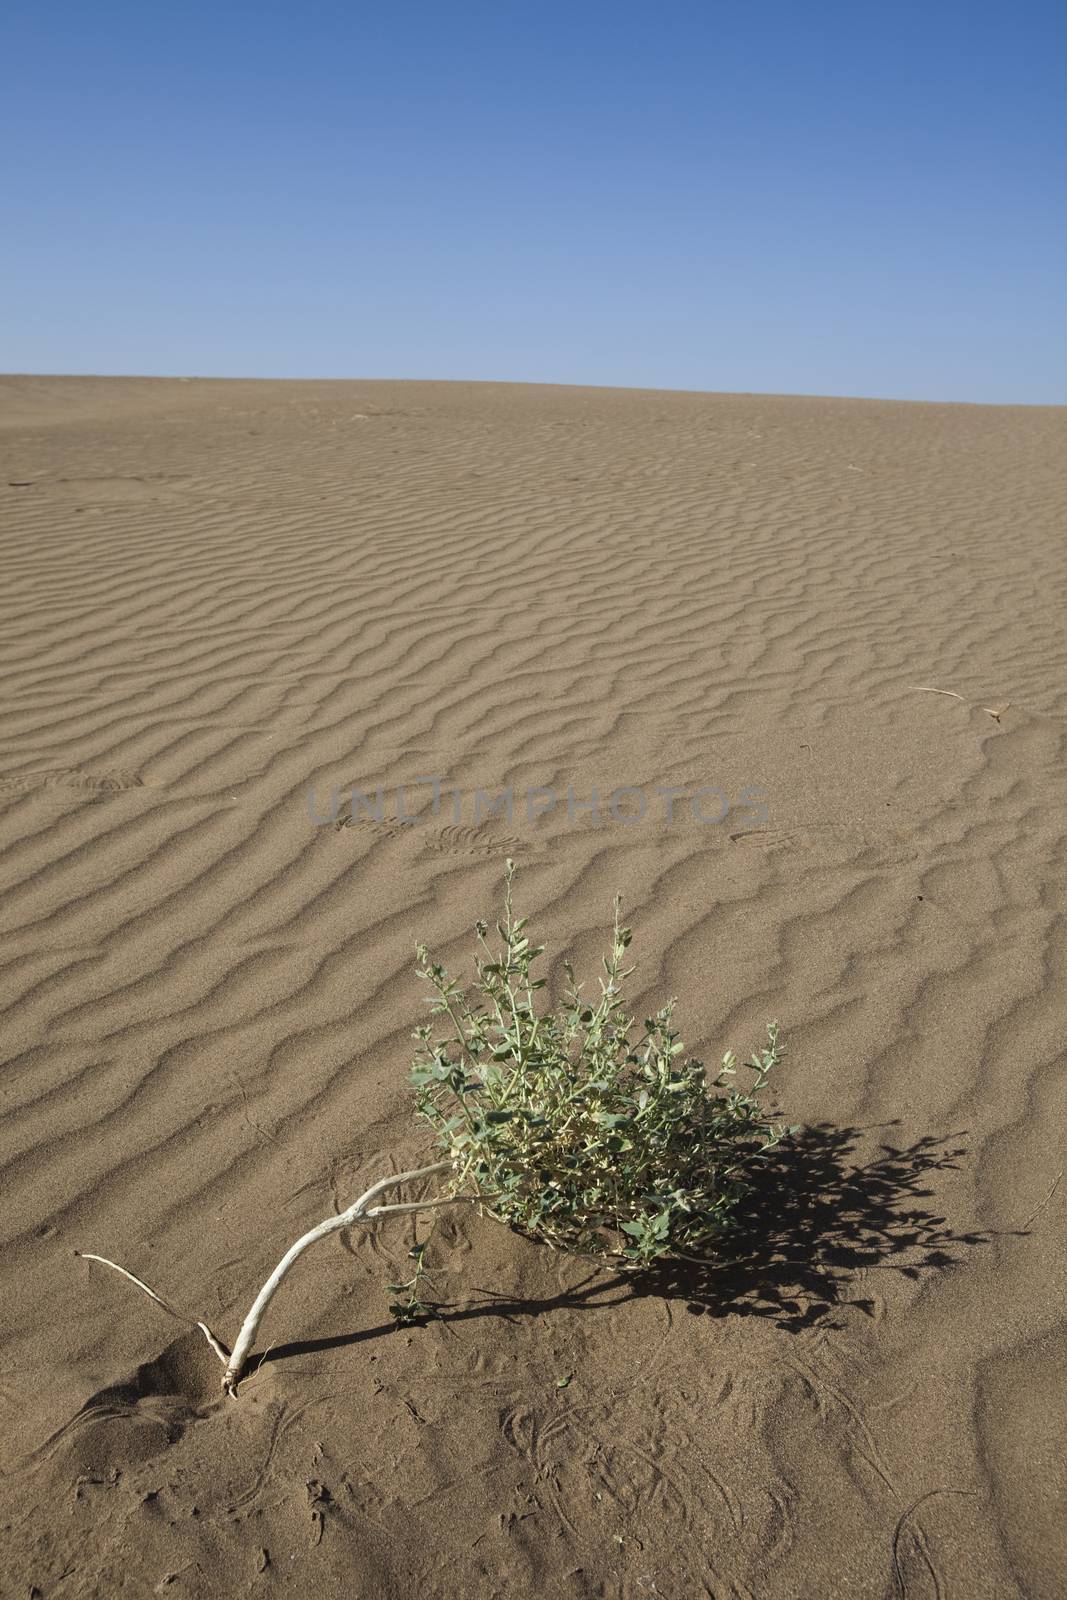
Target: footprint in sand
[{"x": 143, "y": 1414}]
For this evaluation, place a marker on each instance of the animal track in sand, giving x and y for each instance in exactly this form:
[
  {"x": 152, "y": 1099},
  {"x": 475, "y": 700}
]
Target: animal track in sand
[
  {"x": 109, "y": 489},
  {"x": 450, "y": 840},
  {"x": 381, "y": 830},
  {"x": 814, "y": 836},
  {"x": 461, "y": 841},
  {"x": 95, "y": 784}
]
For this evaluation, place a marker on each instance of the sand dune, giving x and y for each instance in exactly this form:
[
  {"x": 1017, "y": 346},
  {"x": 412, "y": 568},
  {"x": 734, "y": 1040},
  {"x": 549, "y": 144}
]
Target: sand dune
[{"x": 223, "y": 601}]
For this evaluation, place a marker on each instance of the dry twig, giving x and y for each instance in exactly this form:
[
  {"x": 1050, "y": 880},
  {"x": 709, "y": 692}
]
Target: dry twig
[{"x": 363, "y": 1210}]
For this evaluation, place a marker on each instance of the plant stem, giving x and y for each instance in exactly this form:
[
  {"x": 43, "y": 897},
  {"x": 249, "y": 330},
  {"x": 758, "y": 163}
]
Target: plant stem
[{"x": 361, "y": 1208}]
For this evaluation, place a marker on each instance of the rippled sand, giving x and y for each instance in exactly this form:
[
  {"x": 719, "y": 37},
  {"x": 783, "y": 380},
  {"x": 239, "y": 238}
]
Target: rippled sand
[{"x": 221, "y": 598}]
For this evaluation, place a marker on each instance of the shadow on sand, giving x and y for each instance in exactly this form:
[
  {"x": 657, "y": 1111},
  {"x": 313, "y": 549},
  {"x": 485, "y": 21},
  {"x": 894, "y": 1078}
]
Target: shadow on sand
[{"x": 815, "y": 1220}]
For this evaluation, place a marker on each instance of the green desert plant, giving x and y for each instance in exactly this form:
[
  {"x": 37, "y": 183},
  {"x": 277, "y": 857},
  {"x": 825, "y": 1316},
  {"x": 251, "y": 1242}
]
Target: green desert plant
[
  {"x": 575, "y": 1125},
  {"x": 412, "y": 1308}
]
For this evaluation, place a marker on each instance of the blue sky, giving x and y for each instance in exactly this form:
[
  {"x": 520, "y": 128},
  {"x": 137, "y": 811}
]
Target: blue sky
[{"x": 856, "y": 199}]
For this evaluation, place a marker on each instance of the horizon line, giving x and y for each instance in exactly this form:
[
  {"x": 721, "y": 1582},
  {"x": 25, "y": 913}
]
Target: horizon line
[{"x": 526, "y": 383}]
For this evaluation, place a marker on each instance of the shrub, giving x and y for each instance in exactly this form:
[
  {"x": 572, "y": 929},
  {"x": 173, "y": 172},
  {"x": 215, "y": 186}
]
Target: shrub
[
  {"x": 569, "y": 1125},
  {"x": 575, "y": 1126}
]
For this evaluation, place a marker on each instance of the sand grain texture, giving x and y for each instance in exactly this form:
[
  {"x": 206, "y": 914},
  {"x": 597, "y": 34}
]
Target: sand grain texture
[{"x": 221, "y": 595}]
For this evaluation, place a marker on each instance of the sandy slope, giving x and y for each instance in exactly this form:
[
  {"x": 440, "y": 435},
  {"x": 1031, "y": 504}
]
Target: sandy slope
[{"x": 217, "y": 595}]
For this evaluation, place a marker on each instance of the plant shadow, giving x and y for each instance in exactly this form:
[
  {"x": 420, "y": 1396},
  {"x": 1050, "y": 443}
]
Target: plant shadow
[{"x": 814, "y": 1221}]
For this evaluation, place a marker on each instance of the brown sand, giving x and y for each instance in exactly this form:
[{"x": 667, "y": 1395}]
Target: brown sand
[{"x": 220, "y": 593}]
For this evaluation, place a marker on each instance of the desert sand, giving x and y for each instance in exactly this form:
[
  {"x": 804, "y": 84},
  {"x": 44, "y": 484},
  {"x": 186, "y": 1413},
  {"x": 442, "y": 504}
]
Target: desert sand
[{"x": 222, "y": 597}]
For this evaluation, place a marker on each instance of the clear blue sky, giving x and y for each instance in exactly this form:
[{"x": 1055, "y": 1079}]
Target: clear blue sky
[{"x": 790, "y": 196}]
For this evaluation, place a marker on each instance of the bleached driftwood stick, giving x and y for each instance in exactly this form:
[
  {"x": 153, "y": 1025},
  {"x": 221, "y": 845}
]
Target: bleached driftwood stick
[
  {"x": 358, "y": 1212},
  {"x": 362, "y": 1210},
  {"x": 194, "y": 1322}
]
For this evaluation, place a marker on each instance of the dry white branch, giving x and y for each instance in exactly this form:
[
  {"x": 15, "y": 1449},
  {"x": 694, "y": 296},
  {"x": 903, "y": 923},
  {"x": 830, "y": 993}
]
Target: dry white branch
[
  {"x": 182, "y": 1316},
  {"x": 996, "y": 712},
  {"x": 355, "y": 1213},
  {"x": 925, "y": 688},
  {"x": 362, "y": 1210}
]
